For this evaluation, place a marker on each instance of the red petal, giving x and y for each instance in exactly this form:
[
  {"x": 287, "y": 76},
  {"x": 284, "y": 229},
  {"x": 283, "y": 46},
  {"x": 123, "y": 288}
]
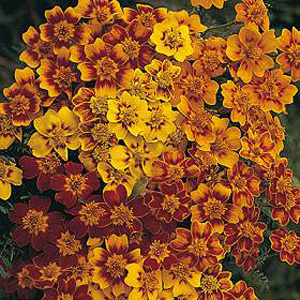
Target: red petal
[{"x": 40, "y": 203}]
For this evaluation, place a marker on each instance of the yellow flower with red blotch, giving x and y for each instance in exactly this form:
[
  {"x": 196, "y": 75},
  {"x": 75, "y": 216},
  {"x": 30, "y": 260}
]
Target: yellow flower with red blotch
[
  {"x": 137, "y": 155},
  {"x": 146, "y": 285},
  {"x": 56, "y": 131},
  {"x": 127, "y": 115},
  {"x": 9, "y": 133},
  {"x": 163, "y": 73},
  {"x": 253, "y": 13},
  {"x": 9, "y": 175},
  {"x": 226, "y": 143},
  {"x": 289, "y": 43},
  {"x": 207, "y": 4},
  {"x": 272, "y": 91},
  {"x": 172, "y": 39},
  {"x": 250, "y": 49}
]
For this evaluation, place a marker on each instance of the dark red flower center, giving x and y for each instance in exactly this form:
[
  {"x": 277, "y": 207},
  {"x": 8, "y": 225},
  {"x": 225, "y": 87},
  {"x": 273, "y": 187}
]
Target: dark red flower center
[
  {"x": 115, "y": 266},
  {"x": 35, "y": 221}
]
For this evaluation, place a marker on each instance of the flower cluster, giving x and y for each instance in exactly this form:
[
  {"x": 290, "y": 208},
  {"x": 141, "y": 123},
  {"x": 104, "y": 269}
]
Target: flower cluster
[{"x": 153, "y": 149}]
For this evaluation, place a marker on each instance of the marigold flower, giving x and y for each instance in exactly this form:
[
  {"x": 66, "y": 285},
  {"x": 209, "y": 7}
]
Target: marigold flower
[
  {"x": 214, "y": 282},
  {"x": 210, "y": 56},
  {"x": 146, "y": 15},
  {"x": 37, "y": 49},
  {"x": 238, "y": 100},
  {"x": 253, "y": 13},
  {"x": 172, "y": 39},
  {"x": 110, "y": 265},
  {"x": 9, "y": 174},
  {"x": 289, "y": 43},
  {"x": 163, "y": 73},
  {"x": 9, "y": 133},
  {"x": 108, "y": 68},
  {"x": 73, "y": 185},
  {"x": 240, "y": 291},
  {"x": 171, "y": 203},
  {"x": 131, "y": 43},
  {"x": 207, "y": 4},
  {"x": 258, "y": 148},
  {"x": 225, "y": 144},
  {"x": 245, "y": 185},
  {"x": 174, "y": 167},
  {"x": 201, "y": 244},
  {"x": 36, "y": 225},
  {"x": 56, "y": 130},
  {"x": 146, "y": 285},
  {"x": 61, "y": 28},
  {"x": 24, "y": 103},
  {"x": 137, "y": 155},
  {"x": 247, "y": 231},
  {"x": 128, "y": 115},
  {"x": 212, "y": 205},
  {"x": 272, "y": 91},
  {"x": 250, "y": 48},
  {"x": 287, "y": 244}
]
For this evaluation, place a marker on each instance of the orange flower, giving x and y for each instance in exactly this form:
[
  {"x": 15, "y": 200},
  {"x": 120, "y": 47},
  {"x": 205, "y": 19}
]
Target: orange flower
[
  {"x": 131, "y": 43},
  {"x": 250, "y": 48},
  {"x": 210, "y": 56},
  {"x": 207, "y": 4},
  {"x": 24, "y": 103},
  {"x": 214, "y": 283},
  {"x": 258, "y": 148},
  {"x": 37, "y": 49},
  {"x": 253, "y": 13},
  {"x": 163, "y": 73},
  {"x": 198, "y": 122},
  {"x": 197, "y": 87},
  {"x": 57, "y": 76},
  {"x": 289, "y": 44},
  {"x": 106, "y": 67},
  {"x": 172, "y": 39},
  {"x": 62, "y": 28},
  {"x": 237, "y": 99},
  {"x": 110, "y": 265},
  {"x": 272, "y": 91},
  {"x": 287, "y": 243},
  {"x": 244, "y": 184},
  {"x": 240, "y": 291},
  {"x": 8, "y": 132},
  {"x": 201, "y": 244},
  {"x": 212, "y": 205},
  {"x": 227, "y": 141}
]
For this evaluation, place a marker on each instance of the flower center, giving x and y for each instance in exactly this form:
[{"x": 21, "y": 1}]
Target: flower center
[
  {"x": 240, "y": 183},
  {"x": 100, "y": 152},
  {"x": 290, "y": 203},
  {"x": 67, "y": 244},
  {"x": 106, "y": 68},
  {"x": 19, "y": 105},
  {"x": 149, "y": 281},
  {"x": 122, "y": 215},
  {"x": 170, "y": 203},
  {"x": 209, "y": 284},
  {"x": 24, "y": 280},
  {"x": 6, "y": 126},
  {"x": 284, "y": 184},
  {"x": 91, "y": 213},
  {"x": 219, "y": 146},
  {"x": 50, "y": 272},
  {"x": 164, "y": 79},
  {"x": 253, "y": 52},
  {"x": 211, "y": 61},
  {"x": 66, "y": 297},
  {"x": 147, "y": 19},
  {"x": 159, "y": 251},
  {"x": 75, "y": 183},
  {"x": 214, "y": 208},
  {"x": 128, "y": 115},
  {"x": 248, "y": 229},
  {"x": 3, "y": 171},
  {"x": 131, "y": 48},
  {"x": 172, "y": 38},
  {"x": 59, "y": 138},
  {"x": 49, "y": 164},
  {"x": 181, "y": 271},
  {"x": 199, "y": 247},
  {"x": 116, "y": 266},
  {"x": 257, "y": 13},
  {"x": 101, "y": 133},
  {"x": 176, "y": 172},
  {"x": 99, "y": 106},
  {"x": 44, "y": 47},
  {"x": 35, "y": 221},
  {"x": 63, "y": 77},
  {"x": 289, "y": 243},
  {"x": 295, "y": 53},
  {"x": 64, "y": 31}
]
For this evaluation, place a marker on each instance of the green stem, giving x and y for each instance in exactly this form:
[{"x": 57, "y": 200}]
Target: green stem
[{"x": 220, "y": 26}]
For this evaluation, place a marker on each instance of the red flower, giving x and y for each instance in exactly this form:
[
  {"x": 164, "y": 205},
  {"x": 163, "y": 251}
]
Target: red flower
[
  {"x": 36, "y": 226},
  {"x": 73, "y": 185},
  {"x": 240, "y": 291},
  {"x": 171, "y": 203},
  {"x": 287, "y": 243},
  {"x": 247, "y": 232},
  {"x": 131, "y": 43},
  {"x": 42, "y": 168},
  {"x": 201, "y": 244}
]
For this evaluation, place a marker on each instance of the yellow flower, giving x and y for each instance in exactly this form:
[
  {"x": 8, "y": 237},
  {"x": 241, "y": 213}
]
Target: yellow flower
[
  {"x": 172, "y": 39},
  {"x": 55, "y": 130},
  {"x": 8, "y": 132},
  {"x": 137, "y": 155},
  {"x": 146, "y": 285},
  {"x": 128, "y": 115},
  {"x": 9, "y": 174}
]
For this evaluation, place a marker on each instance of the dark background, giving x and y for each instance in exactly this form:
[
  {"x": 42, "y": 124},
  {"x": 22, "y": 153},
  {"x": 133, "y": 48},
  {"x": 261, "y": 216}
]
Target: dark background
[{"x": 273, "y": 280}]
